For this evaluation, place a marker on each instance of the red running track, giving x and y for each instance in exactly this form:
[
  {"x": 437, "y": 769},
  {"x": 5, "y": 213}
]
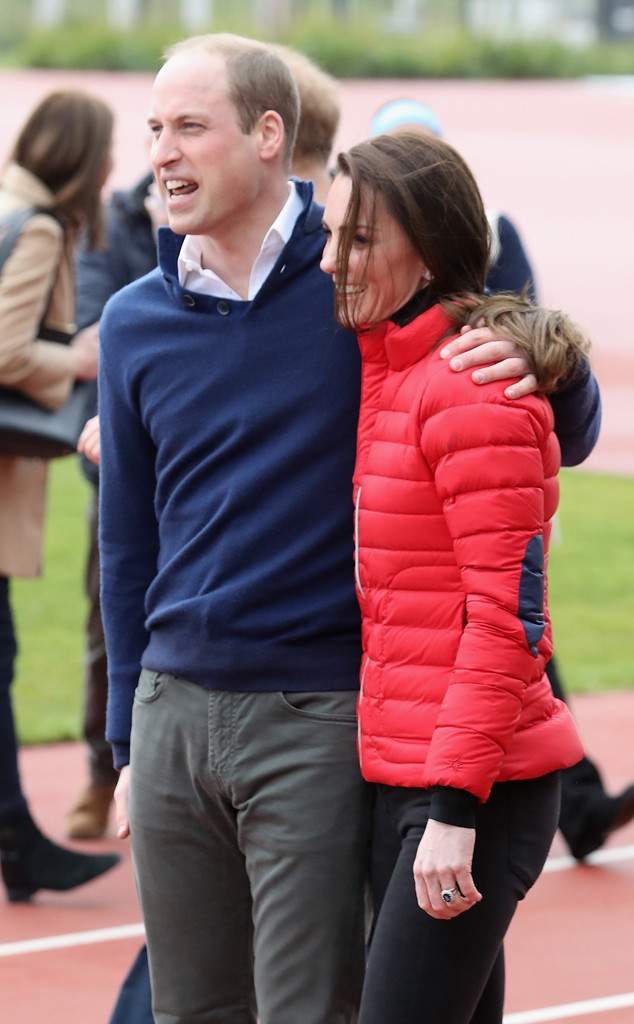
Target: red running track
[{"x": 570, "y": 953}]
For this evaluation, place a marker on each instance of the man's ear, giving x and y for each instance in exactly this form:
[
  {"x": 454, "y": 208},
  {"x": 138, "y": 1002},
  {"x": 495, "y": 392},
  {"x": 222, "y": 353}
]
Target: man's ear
[{"x": 270, "y": 134}]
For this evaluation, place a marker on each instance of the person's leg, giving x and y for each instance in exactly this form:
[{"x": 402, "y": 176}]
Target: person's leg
[
  {"x": 29, "y": 861},
  {"x": 588, "y": 814},
  {"x": 134, "y": 1002},
  {"x": 385, "y": 847},
  {"x": 303, "y": 822},
  {"x": 451, "y": 972},
  {"x": 102, "y": 770},
  {"x": 88, "y": 818},
  {"x": 12, "y": 803},
  {"x": 190, "y": 874}
]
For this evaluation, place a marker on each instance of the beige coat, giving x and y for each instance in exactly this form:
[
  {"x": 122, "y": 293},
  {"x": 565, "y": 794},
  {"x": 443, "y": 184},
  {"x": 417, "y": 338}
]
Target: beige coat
[{"x": 36, "y": 282}]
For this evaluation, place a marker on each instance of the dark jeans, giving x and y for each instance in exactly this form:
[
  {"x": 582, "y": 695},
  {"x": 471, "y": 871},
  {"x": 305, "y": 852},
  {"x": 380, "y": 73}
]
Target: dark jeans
[
  {"x": 102, "y": 771},
  {"x": 134, "y": 1002},
  {"x": 12, "y": 802},
  {"x": 452, "y": 972}
]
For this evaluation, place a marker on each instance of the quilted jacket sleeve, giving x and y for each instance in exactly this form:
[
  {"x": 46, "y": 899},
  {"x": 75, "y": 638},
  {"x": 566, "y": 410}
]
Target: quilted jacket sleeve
[{"x": 494, "y": 465}]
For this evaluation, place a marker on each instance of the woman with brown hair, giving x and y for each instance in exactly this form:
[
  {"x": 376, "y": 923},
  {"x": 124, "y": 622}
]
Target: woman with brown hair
[
  {"x": 455, "y": 487},
  {"x": 57, "y": 168}
]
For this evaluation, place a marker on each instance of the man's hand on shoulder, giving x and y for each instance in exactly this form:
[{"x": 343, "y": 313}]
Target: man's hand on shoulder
[{"x": 477, "y": 346}]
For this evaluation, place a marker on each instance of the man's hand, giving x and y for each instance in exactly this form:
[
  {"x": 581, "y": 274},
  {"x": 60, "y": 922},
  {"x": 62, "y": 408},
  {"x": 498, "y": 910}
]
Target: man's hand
[
  {"x": 479, "y": 345},
  {"x": 121, "y": 803},
  {"x": 89, "y": 441},
  {"x": 443, "y": 861}
]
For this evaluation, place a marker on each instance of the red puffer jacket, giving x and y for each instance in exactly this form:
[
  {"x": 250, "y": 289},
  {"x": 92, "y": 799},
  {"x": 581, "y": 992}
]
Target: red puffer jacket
[{"x": 455, "y": 487}]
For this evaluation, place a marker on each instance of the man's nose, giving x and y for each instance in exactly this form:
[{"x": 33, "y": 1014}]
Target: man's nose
[{"x": 164, "y": 149}]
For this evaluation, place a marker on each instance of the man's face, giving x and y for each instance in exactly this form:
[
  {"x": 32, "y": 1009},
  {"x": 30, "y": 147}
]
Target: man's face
[{"x": 207, "y": 169}]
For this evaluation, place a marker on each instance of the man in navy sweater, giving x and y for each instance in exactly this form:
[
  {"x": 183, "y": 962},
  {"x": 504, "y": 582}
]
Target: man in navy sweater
[{"x": 228, "y": 406}]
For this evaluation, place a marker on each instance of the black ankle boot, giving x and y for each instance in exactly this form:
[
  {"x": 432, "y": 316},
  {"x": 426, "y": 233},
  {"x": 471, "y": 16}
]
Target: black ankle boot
[
  {"x": 587, "y": 829},
  {"x": 30, "y": 862}
]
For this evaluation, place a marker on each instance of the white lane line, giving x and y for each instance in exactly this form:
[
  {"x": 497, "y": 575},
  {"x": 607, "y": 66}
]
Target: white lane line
[
  {"x": 542, "y": 1016},
  {"x": 589, "y": 1006},
  {"x": 609, "y": 856},
  {"x": 126, "y": 931}
]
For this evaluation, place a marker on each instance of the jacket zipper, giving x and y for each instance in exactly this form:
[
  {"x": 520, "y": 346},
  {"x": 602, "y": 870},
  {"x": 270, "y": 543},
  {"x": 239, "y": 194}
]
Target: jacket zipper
[
  {"x": 359, "y": 748},
  {"x": 356, "y": 543}
]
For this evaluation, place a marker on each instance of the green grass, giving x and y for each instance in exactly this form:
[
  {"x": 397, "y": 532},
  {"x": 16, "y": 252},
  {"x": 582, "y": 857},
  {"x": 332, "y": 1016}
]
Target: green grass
[
  {"x": 591, "y": 599},
  {"x": 591, "y": 582},
  {"x": 50, "y": 612}
]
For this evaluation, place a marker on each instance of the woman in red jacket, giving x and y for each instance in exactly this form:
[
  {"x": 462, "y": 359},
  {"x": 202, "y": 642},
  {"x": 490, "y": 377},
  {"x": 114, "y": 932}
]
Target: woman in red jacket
[{"x": 455, "y": 488}]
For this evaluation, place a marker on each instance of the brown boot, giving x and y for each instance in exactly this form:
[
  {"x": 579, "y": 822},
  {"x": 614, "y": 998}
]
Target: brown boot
[{"x": 88, "y": 818}]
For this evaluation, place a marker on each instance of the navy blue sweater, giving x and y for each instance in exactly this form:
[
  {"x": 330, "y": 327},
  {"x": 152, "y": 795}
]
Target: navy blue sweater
[
  {"x": 228, "y": 435},
  {"x": 228, "y": 443}
]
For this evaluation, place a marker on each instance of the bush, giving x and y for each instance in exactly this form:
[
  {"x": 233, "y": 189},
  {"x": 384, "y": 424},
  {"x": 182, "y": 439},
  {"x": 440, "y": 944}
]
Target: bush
[
  {"x": 351, "y": 50},
  {"x": 96, "y": 47}
]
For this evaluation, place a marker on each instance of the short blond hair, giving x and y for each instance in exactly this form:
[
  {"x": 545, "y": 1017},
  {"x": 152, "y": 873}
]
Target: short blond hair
[{"x": 257, "y": 80}]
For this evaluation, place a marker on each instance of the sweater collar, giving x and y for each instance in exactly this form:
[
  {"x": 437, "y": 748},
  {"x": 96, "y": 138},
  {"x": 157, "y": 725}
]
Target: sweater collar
[
  {"x": 407, "y": 345},
  {"x": 308, "y": 223}
]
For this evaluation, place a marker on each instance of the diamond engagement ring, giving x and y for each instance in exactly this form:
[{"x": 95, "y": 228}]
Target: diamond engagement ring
[{"x": 448, "y": 895}]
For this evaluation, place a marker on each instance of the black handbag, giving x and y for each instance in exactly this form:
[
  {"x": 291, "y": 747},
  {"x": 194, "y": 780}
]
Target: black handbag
[{"x": 26, "y": 427}]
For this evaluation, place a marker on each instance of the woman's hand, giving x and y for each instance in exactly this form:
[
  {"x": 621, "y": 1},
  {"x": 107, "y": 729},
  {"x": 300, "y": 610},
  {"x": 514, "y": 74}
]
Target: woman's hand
[
  {"x": 84, "y": 350},
  {"x": 478, "y": 345},
  {"x": 89, "y": 443},
  {"x": 443, "y": 861}
]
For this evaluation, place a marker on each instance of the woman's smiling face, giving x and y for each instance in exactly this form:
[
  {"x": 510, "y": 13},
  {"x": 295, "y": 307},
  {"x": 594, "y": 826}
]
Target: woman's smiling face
[{"x": 384, "y": 270}]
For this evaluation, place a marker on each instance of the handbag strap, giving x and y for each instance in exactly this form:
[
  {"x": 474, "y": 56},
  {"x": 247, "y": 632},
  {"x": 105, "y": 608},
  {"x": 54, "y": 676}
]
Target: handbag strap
[{"x": 15, "y": 223}]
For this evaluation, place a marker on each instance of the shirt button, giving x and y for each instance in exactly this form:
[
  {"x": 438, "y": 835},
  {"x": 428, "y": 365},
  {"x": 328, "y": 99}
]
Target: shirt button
[
  {"x": 223, "y": 307},
  {"x": 189, "y": 300}
]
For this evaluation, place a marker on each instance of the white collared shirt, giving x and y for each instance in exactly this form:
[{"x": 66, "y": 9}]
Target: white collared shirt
[{"x": 195, "y": 277}]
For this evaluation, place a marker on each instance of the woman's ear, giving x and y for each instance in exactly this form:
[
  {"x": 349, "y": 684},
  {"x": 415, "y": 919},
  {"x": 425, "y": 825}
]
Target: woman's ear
[{"x": 271, "y": 135}]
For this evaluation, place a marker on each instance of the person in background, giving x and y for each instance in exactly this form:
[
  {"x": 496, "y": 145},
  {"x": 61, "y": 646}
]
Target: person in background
[
  {"x": 318, "y": 120},
  {"x": 59, "y": 164},
  {"x": 132, "y": 217},
  {"x": 588, "y": 813},
  {"x": 458, "y": 725},
  {"x": 508, "y": 268}
]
